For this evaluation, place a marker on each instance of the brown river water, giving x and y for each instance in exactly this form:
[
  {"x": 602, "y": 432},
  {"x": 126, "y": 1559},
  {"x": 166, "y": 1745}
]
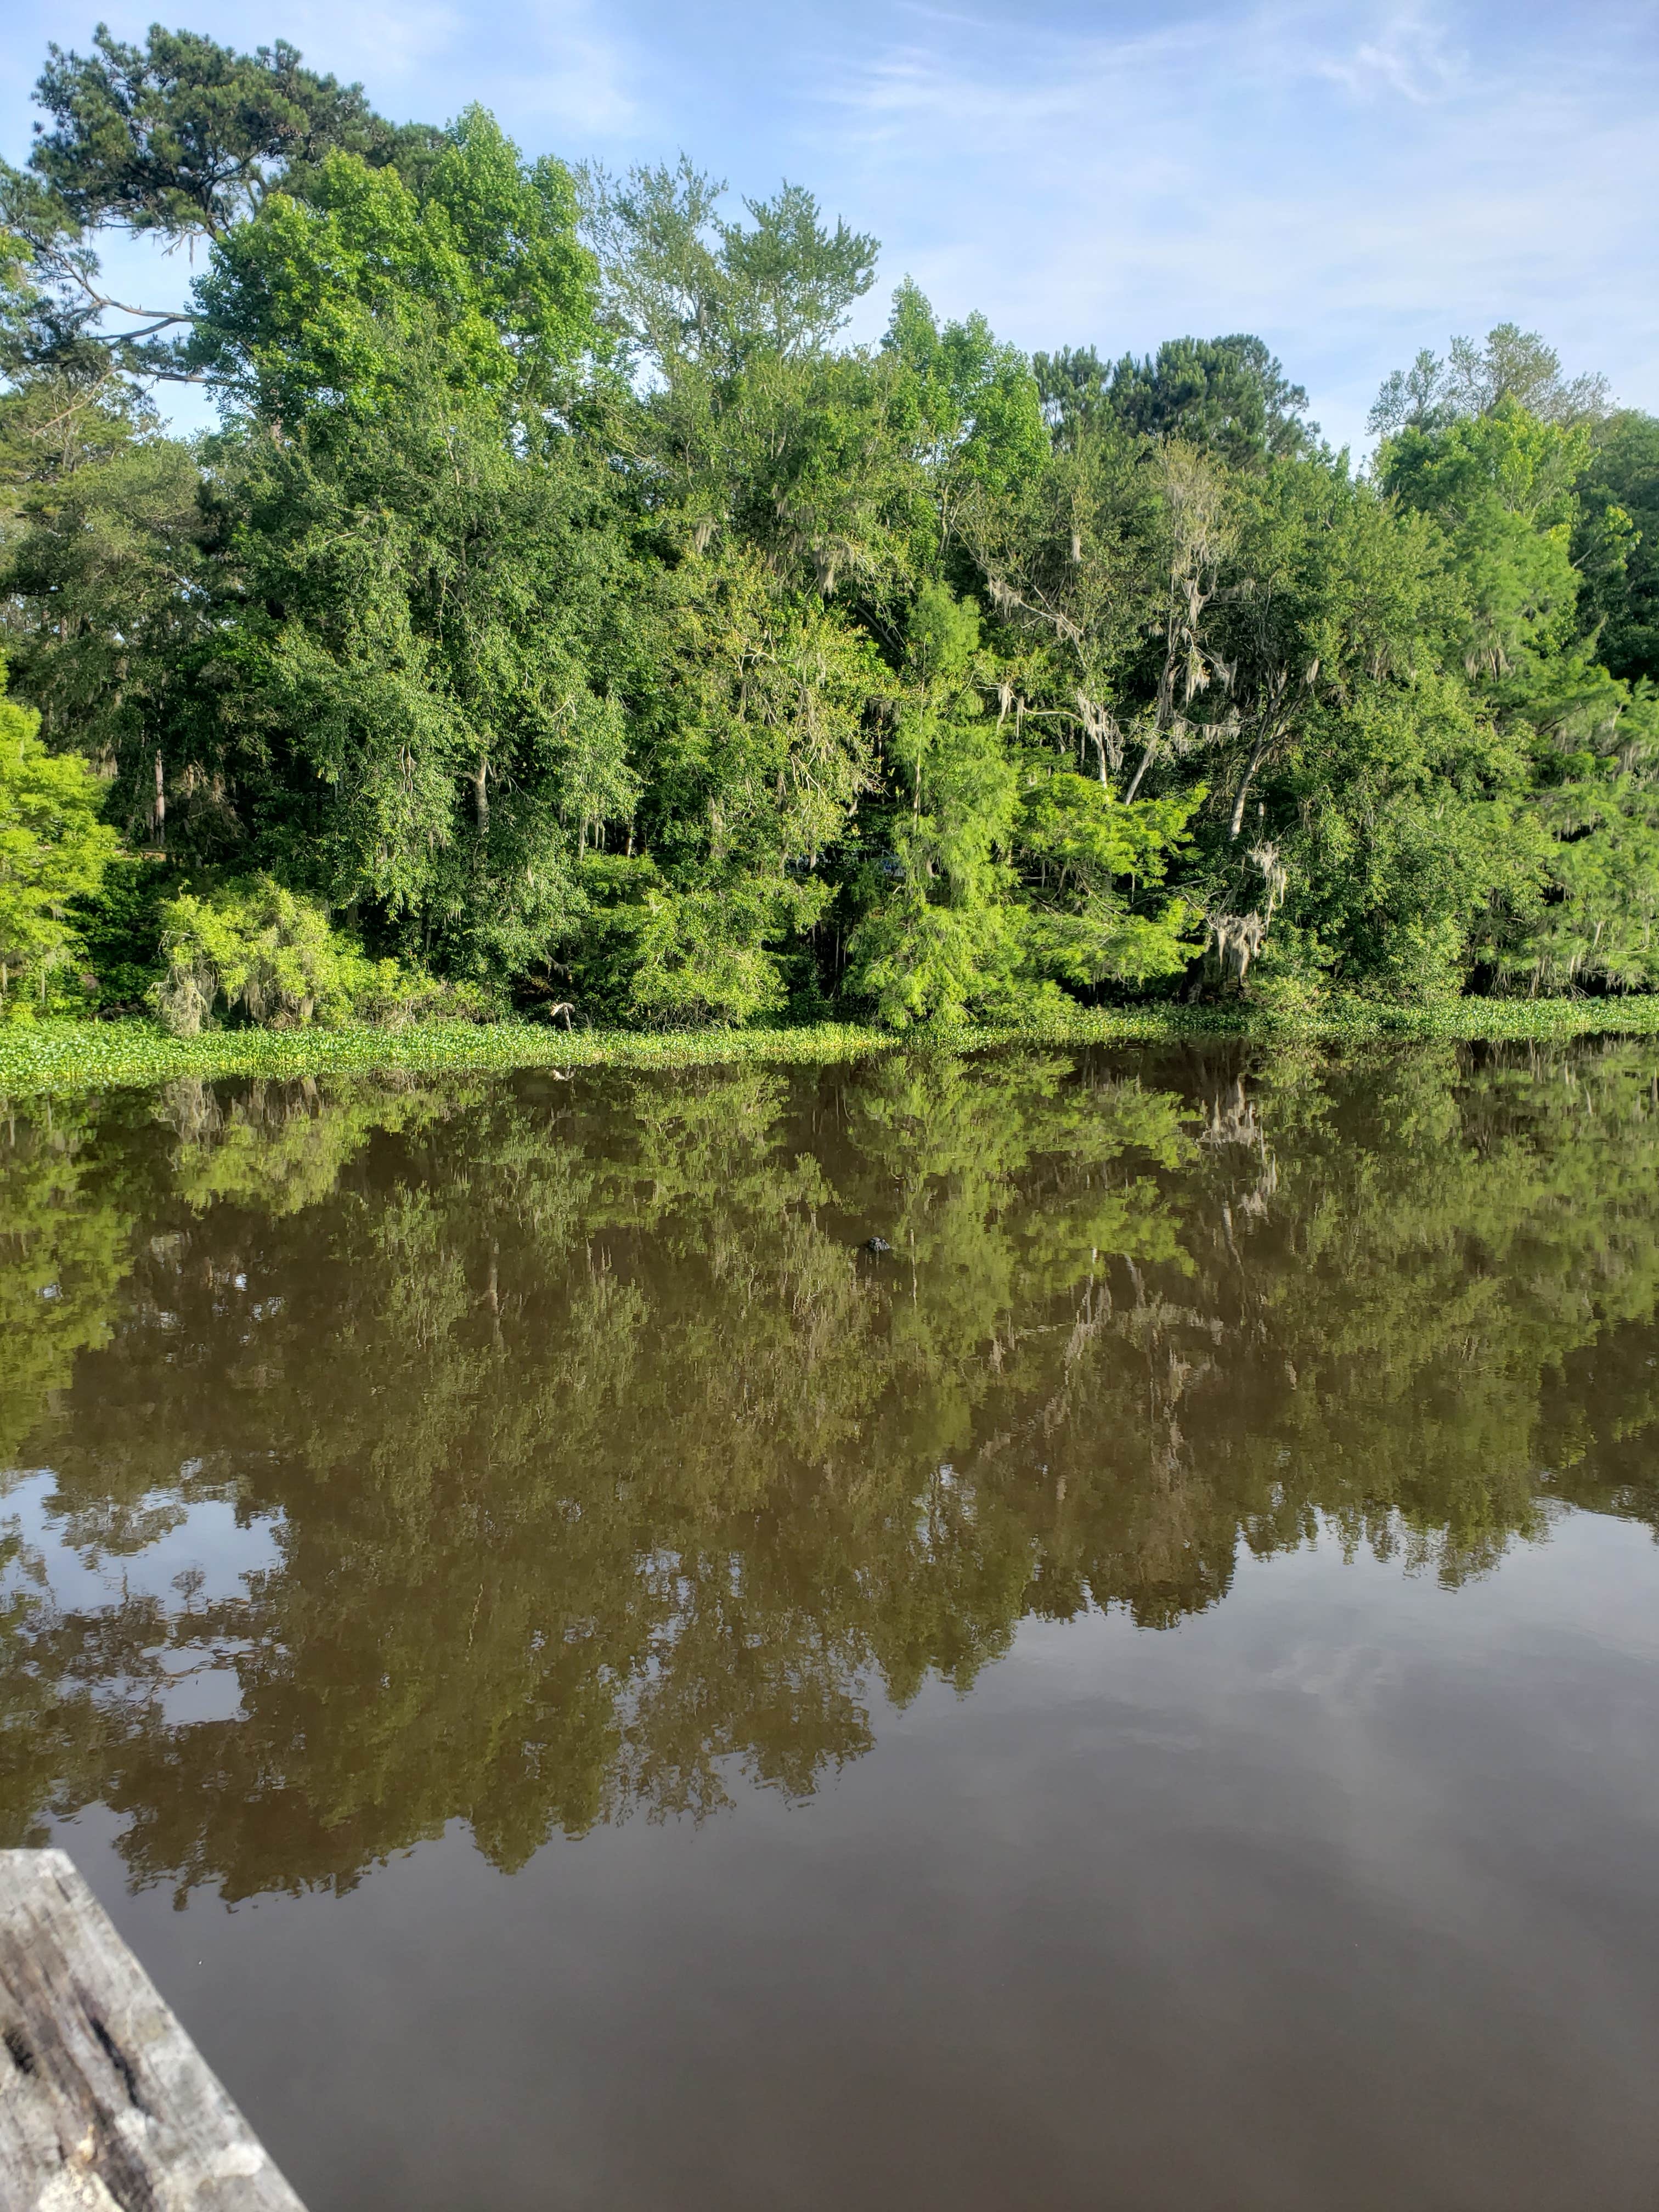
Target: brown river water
[{"x": 588, "y": 1684}]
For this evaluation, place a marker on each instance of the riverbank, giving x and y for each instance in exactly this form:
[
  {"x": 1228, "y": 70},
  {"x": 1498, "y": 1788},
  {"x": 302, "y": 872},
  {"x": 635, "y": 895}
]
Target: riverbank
[{"x": 61, "y": 1057}]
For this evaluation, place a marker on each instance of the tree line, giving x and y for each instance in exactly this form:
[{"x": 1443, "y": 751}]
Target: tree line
[{"x": 564, "y": 613}]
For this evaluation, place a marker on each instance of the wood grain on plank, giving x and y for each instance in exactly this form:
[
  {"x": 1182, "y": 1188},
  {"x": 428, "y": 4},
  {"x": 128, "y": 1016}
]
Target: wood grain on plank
[{"x": 106, "y": 2104}]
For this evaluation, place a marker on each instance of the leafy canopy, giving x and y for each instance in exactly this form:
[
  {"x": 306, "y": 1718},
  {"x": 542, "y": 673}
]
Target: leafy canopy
[
  {"x": 566, "y": 609},
  {"x": 53, "y": 849}
]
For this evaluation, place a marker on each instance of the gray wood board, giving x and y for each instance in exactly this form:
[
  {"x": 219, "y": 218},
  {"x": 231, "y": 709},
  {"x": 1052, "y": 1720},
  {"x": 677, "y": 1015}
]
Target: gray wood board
[{"x": 106, "y": 2104}]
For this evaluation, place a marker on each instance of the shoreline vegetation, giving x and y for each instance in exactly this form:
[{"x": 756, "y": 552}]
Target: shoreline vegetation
[
  {"x": 569, "y": 621},
  {"x": 66, "y": 1057}
]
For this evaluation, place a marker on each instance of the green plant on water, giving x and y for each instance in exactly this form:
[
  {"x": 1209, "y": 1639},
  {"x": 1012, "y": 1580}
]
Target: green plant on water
[{"x": 65, "y": 1057}]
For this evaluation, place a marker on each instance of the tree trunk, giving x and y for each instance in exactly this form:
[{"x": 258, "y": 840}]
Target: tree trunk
[
  {"x": 1258, "y": 754},
  {"x": 1145, "y": 763}
]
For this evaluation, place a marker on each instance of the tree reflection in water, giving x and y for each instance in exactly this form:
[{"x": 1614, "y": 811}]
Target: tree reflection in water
[{"x": 600, "y": 1464}]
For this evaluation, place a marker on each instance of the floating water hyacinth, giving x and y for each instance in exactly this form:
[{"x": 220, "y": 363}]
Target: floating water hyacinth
[{"x": 70, "y": 1056}]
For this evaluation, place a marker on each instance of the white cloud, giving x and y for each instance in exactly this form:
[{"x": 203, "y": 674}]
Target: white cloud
[
  {"x": 388, "y": 46},
  {"x": 1351, "y": 181},
  {"x": 566, "y": 67},
  {"x": 1410, "y": 59},
  {"x": 1352, "y": 177}
]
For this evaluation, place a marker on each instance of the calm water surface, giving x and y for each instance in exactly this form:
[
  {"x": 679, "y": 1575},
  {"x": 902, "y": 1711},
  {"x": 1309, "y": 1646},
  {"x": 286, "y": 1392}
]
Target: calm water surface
[{"x": 589, "y": 1686}]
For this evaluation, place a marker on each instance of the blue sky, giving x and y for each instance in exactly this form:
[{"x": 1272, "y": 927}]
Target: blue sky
[{"x": 1351, "y": 181}]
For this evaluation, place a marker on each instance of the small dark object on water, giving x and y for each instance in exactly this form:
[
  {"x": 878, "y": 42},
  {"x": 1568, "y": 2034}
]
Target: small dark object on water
[{"x": 877, "y": 1245}]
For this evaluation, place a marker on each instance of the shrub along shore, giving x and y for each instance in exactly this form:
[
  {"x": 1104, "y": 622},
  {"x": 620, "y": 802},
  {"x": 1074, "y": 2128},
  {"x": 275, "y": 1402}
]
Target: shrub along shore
[{"x": 64, "y": 1057}]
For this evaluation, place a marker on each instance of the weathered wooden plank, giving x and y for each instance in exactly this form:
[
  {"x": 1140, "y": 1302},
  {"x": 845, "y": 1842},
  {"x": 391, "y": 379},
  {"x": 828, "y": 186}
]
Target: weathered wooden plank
[{"x": 106, "y": 2104}]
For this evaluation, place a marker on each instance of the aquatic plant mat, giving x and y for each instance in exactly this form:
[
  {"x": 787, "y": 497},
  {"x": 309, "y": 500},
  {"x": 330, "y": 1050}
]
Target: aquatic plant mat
[{"x": 67, "y": 1056}]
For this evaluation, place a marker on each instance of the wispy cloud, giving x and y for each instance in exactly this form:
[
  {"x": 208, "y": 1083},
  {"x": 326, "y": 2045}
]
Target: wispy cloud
[
  {"x": 568, "y": 68},
  {"x": 1352, "y": 177},
  {"x": 1314, "y": 172},
  {"x": 1410, "y": 57},
  {"x": 391, "y": 45}
]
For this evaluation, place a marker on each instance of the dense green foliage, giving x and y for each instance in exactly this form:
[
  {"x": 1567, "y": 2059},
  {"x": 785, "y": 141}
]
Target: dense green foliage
[
  {"x": 565, "y": 610},
  {"x": 586, "y": 1458},
  {"x": 256, "y": 949},
  {"x": 52, "y": 848}
]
